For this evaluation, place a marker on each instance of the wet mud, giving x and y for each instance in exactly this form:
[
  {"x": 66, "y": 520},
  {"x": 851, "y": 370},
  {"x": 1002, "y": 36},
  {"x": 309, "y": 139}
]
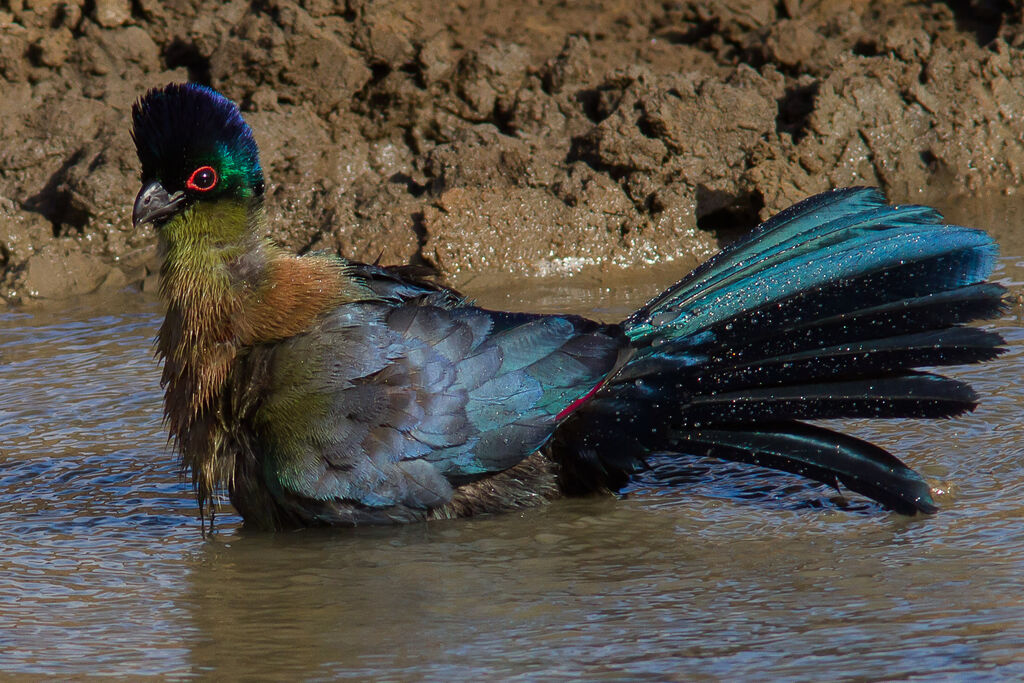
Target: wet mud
[{"x": 481, "y": 138}]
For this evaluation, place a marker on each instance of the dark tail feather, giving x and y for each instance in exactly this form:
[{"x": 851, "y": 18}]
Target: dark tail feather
[
  {"x": 603, "y": 447},
  {"x": 819, "y": 454},
  {"x": 822, "y": 368},
  {"x": 827, "y": 310},
  {"x": 920, "y": 396}
]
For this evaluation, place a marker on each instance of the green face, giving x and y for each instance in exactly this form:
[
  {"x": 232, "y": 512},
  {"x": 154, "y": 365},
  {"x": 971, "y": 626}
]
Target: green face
[{"x": 210, "y": 200}]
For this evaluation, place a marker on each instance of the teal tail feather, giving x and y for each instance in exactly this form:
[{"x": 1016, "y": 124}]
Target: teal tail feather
[{"x": 830, "y": 309}]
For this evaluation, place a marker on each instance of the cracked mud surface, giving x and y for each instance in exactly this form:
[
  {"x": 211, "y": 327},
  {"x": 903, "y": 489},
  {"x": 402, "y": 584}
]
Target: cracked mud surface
[{"x": 538, "y": 138}]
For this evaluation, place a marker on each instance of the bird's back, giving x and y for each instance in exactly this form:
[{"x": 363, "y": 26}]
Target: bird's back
[{"x": 385, "y": 409}]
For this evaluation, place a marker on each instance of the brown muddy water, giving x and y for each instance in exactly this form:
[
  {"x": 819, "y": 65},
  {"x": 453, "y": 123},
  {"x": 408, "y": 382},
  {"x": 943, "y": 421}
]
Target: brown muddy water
[{"x": 703, "y": 570}]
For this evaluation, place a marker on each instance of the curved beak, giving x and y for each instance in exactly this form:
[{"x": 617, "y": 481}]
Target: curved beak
[{"x": 153, "y": 204}]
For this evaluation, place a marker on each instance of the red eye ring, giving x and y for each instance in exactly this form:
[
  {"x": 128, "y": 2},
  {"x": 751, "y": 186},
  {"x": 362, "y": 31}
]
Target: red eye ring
[{"x": 203, "y": 179}]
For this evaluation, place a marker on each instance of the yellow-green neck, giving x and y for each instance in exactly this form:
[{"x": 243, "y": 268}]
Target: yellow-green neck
[{"x": 196, "y": 340}]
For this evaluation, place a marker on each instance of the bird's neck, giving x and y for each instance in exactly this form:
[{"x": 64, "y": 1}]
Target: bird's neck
[{"x": 226, "y": 289}]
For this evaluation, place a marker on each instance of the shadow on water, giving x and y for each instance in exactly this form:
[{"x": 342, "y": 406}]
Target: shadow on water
[{"x": 708, "y": 570}]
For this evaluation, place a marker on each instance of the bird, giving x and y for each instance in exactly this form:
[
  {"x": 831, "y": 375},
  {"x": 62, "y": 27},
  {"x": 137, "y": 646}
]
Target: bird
[{"x": 319, "y": 391}]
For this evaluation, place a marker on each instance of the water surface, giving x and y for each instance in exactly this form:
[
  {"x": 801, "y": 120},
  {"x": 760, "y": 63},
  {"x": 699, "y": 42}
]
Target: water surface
[{"x": 702, "y": 571}]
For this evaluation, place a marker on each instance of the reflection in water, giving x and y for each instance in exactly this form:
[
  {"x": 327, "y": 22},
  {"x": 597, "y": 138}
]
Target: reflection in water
[{"x": 715, "y": 571}]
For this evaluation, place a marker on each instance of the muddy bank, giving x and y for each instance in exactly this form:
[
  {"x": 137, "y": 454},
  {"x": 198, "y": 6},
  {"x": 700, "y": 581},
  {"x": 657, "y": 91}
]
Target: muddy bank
[{"x": 482, "y": 138}]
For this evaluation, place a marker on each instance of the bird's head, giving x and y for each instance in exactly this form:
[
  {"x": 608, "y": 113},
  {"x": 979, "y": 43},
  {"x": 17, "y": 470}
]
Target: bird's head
[{"x": 201, "y": 172}]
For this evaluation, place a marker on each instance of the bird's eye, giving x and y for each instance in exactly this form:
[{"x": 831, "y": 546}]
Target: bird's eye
[{"x": 202, "y": 179}]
